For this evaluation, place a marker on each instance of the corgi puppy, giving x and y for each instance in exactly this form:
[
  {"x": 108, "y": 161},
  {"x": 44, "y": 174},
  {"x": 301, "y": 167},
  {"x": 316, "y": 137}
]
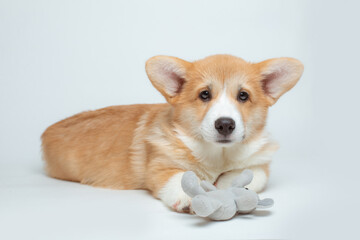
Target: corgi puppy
[{"x": 212, "y": 124}]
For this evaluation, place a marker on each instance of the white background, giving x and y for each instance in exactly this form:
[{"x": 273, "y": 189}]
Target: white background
[{"x": 58, "y": 58}]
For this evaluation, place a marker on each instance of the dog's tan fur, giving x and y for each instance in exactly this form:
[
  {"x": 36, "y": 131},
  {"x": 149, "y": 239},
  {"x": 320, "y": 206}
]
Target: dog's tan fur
[{"x": 143, "y": 146}]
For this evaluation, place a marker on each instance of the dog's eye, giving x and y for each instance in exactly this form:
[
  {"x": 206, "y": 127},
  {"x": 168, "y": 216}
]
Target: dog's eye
[
  {"x": 243, "y": 96},
  {"x": 205, "y": 96},
  {"x": 246, "y": 188}
]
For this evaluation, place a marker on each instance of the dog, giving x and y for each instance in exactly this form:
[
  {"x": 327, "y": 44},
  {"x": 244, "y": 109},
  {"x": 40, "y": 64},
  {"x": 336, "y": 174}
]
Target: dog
[{"x": 212, "y": 124}]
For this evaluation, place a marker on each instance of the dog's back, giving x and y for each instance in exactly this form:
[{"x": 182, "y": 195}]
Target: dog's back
[{"x": 94, "y": 147}]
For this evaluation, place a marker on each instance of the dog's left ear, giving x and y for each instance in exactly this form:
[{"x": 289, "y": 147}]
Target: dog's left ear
[
  {"x": 279, "y": 75},
  {"x": 167, "y": 74}
]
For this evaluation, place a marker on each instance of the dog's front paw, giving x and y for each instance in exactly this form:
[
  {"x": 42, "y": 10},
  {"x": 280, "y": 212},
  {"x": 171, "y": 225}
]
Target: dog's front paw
[
  {"x": 174, "y": 197},
  {"x": 183, "y": 204},
  {"x": 259, "y": 181}
]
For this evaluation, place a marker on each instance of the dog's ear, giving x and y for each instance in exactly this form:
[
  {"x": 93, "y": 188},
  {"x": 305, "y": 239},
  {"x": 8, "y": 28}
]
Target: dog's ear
[
  {"x": 278, "y": 76},
  {"x": 167, "y": 74}
]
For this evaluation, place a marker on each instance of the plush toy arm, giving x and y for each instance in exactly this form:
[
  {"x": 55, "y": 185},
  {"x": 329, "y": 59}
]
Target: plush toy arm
[
  {"x": 204, "y": 206},
  {"x": 207, "y": 186},
  {"x": 243, "y": 179},
  {"x": 190, "y": 184}
]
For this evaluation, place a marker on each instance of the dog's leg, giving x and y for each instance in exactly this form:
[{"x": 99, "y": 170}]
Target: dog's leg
[
  {"x": 168, "y": 189},
  {"x": 261, "y": 174}
]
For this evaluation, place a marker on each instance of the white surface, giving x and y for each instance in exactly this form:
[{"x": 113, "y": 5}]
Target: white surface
[
  {"x": 44, "y": 208},
  {"x": 58, "y": 58},
  {"x": 34, "y": 206}
]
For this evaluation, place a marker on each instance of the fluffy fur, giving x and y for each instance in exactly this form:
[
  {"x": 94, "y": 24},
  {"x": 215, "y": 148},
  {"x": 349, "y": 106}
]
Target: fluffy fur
[{"x": 151, "y": 146}]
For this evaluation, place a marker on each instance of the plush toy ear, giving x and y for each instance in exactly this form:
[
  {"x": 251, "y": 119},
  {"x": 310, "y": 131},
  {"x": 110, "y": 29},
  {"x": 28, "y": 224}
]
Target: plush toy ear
[
  {"x": 167, "y": 74},
  {"x": 243, "y": 179},
  {"x": 265, "y": 203},
  {"x": 279, "y": 75},
  {"x": 190, "y": 184}
]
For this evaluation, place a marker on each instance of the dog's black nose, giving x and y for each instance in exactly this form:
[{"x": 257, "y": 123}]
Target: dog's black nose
[{"x": 225, "y": 126}]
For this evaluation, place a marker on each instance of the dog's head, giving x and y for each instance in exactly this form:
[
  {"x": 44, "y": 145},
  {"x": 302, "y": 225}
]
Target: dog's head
[{"x": 222, "y": 99}]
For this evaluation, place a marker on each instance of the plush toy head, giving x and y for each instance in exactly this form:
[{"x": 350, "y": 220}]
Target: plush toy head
[{"x": 208, "y": 201}]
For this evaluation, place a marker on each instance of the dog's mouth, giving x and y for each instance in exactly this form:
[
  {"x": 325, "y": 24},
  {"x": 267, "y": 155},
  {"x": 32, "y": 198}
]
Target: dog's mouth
[
  {"x": 224, "y": 141},
  {"x": 228, "y": 140}
]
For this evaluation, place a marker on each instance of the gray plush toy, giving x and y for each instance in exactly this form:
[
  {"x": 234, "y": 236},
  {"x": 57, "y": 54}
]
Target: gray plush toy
[{"x": 208, "y": 201}]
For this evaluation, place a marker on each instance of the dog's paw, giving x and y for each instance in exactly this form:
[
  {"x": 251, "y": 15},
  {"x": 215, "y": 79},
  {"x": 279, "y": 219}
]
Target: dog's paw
[
  {"x": 259, "y": 181},
  {"x": 182, "y": 205},
  {"x": 257, "y": 184},
  {"x": 174, "y": 197}
]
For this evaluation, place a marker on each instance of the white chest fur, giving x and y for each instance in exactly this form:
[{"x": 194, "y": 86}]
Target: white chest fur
[{"x": 214, "y": 159}]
